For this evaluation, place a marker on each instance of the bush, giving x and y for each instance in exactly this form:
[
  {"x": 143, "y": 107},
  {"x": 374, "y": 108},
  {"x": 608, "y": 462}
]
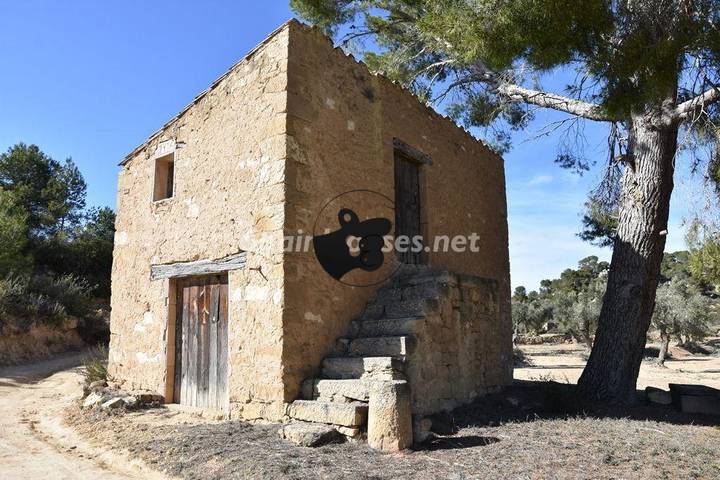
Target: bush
[
  {"x": 73, "y": 293},
  {"x": 95, "y": 363},
  {"x": 47, "y": 299}
]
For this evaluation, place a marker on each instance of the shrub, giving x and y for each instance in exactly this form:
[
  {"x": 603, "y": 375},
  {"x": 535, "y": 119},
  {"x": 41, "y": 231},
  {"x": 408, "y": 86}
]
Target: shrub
[
  {"x": 44, "y": 298},
  {"x": 73, "y": 293},
  {"x": 95, "y": 363}
]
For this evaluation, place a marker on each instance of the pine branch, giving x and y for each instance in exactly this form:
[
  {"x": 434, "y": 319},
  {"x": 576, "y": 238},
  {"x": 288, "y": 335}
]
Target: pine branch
[
  {"x": 579, "y": 108},
  {"x": 698, "y": 103},
  {"x": 515, "y": 93}
]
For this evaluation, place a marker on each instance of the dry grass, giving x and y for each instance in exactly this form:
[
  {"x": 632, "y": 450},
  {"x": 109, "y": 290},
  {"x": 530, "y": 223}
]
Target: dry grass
[
  {"x": 532, "y": 431},
  {"x": 95, "y": 364}
]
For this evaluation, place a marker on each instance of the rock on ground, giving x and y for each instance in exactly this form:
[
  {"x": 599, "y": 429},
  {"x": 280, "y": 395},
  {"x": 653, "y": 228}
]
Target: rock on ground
[{"x": 310, "y": 434}]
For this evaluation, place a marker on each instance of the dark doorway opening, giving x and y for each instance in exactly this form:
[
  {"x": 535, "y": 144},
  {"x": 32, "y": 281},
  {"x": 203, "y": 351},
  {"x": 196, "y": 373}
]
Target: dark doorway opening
[{"x": 407, "y": 209}]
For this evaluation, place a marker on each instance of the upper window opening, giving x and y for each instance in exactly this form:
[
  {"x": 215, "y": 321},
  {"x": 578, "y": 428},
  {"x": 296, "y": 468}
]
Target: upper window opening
[{"x": 164, "y": 177}]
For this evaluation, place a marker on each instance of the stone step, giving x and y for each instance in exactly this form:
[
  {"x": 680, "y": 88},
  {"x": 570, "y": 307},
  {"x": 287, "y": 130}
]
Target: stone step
[
  {"x": 385, "y": 326},
  {"x": 395, "y": 346},
  {"x": 352, "y": 414},
  {"x": 390, "y": 295},
  {"x": 401, "y": 309},
  {"x": 356, "y": 367},
  {"x": 345, "y": 390}
]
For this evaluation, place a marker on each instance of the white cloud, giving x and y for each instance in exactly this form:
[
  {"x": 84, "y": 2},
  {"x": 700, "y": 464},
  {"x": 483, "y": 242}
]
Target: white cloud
[{"x": 540, "y": 180}]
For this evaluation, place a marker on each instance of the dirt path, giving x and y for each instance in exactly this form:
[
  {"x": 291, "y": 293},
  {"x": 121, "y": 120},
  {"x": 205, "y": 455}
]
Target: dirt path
[{"x": 34, "y": 443}]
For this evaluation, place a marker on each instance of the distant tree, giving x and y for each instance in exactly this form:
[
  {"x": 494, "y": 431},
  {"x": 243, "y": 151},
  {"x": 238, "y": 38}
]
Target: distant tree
[
  {"x": 586, "y": 309},
  {"x": 679, "y": 312},
  {"x": 52, "y": 193},
  {"x": 704, "y": 257},
  {"x": 26, "y": 171},
  {"x": 13, "y": 236},
  {"x": 43, "y": 219},
  {"x": 649, "y": 70},
  {"x": 93, "y": 249},
  {"x": 529, "y": 312},
  {"x": 675, "y": 265},
  {"x": 65, "y": 197}
]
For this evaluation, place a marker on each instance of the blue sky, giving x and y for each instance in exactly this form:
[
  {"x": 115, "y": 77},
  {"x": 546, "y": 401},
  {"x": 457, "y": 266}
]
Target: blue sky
[{"x": 91, "y": 80}]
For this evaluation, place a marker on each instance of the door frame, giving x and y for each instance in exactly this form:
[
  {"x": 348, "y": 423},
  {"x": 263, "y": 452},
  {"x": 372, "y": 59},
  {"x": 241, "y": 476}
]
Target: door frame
[
  {"x": 174, "y": 303},
  {"x": 423, "y": 161}
]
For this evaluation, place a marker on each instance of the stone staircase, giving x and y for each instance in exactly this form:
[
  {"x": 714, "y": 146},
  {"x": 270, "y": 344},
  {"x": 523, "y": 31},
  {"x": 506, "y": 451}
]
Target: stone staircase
[{"x": 376, "y": 350}]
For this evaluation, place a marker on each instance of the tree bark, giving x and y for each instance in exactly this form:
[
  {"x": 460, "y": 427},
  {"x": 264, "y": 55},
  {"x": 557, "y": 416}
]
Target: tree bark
[
  {"x": 612, "y": 369},
  {"x": 664, "y": 346}
]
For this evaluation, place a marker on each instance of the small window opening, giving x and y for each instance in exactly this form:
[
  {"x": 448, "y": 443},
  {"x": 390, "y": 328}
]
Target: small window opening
[{"x": 164, "y": 177}]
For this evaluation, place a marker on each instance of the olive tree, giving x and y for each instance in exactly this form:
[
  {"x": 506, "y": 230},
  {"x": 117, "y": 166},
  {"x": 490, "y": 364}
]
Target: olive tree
[{"x": 679, "y": 312}]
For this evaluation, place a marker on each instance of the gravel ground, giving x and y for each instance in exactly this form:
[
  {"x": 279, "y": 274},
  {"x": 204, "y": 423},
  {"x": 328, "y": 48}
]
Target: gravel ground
[{"x": 531, "y": 431}]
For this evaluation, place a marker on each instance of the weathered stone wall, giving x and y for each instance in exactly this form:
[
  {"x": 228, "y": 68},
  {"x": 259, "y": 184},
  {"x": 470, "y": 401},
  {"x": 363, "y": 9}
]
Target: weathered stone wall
[
  {"x": 257, "y": 156},
  {"x": 229, "y": 196},
  {"x": 456, "y": 357},
  {"x": 341, "y": 124}
]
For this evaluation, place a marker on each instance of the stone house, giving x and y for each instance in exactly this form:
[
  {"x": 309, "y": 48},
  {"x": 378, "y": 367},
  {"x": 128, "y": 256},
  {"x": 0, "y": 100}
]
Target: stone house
[{"x": 219, "y": 296}]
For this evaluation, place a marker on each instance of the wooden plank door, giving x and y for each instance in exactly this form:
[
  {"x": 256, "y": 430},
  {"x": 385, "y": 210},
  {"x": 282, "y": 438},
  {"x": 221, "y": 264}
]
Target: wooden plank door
[
  {"x": 201, "y": 342},
  {"x": 407, "y": 204}
]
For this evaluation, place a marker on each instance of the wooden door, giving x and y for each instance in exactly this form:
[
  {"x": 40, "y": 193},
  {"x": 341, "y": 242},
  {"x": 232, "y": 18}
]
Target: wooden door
[
  {"x": 407, "y": 204},
  {"x": 201, "y": 342}
]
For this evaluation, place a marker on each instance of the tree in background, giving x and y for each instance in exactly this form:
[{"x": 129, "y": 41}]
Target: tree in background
[
  {"x": 52, "y": 193},
  {"x": 681, "y": 312},
  {"x": 44, "y": 226},
  {"x": 529, "y": 312},
  {"x": 571, "y": 302},
  {"x": 704, "y": 259},
  {"x": 93, "y": 249},
  {"x": 648, "y": 69},
  {"x": 13, "y": 235},
  {"x": 586, "y": 309}
]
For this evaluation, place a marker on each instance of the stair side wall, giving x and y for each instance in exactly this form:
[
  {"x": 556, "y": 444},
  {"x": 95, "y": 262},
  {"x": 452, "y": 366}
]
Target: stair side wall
[
  {"x": 458, "y": 355},
  {"x": 342, "y": 121}
]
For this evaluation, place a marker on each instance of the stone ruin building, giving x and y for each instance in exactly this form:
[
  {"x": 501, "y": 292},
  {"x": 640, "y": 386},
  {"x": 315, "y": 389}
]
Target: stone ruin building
[{"x": 213, "y": 309}]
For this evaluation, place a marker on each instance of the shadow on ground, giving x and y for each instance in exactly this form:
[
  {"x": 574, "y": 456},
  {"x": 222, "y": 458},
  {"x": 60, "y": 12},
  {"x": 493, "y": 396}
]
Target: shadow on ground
[
  {"x": 451, "y": 443},
  {"x": 533, "y": 400}
]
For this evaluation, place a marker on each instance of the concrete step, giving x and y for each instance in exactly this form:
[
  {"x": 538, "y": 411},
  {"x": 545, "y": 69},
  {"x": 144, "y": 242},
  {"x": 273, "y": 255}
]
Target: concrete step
[
  {"x": 401, "y": 309},
  {"x": 332, "y": 390},
  {"x": 345, "y": 414},
  {"x": 356, "y": 367},
  {"x": 385, "y": 326},
  {"x": 396, "y": 346}
]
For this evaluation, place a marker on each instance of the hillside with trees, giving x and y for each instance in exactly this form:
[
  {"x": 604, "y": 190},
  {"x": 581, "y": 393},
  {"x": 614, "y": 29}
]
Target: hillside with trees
[{"x": 55, "y": 256}]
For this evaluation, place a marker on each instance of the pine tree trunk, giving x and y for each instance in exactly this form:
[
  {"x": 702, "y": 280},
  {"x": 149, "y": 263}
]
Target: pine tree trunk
[{"x": 612, "y": 369}]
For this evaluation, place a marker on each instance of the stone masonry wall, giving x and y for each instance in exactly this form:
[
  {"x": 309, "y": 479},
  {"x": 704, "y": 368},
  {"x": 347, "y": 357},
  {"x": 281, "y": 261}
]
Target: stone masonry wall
[
  {"x": 456, "y": 353},
  {"x": 229, "y": 196},
  {"x": 341, "y": 124},
  {"x": 257, "y": 156}
]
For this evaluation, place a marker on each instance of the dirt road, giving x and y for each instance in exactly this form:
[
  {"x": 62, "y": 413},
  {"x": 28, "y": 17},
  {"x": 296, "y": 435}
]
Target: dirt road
[{"x": 34, "y": 444}]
